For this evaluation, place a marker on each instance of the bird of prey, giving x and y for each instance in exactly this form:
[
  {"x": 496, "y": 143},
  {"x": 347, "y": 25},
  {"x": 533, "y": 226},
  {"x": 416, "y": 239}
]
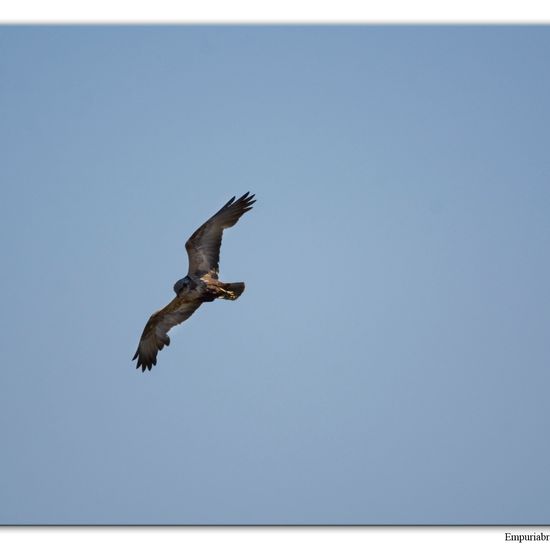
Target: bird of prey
[{"x": 201, "y": 284}]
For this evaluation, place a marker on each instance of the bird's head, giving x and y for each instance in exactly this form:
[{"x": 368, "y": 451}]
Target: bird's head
[{"x": 180, "y": 285}]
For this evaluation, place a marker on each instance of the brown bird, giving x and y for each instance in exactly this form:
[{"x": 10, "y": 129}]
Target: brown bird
[{"x": 200, "y": 285}]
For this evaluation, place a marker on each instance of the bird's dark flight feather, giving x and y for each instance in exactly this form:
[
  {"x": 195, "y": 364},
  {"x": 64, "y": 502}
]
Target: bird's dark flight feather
[{"x": 203, "y": 247}]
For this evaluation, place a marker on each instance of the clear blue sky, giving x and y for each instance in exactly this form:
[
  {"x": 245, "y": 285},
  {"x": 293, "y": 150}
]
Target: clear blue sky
[{"x": 389, "y": 360}]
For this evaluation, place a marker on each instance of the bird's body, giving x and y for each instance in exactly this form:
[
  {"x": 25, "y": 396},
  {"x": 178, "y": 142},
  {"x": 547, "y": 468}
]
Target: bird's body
[{"x": 201, "y": 284}]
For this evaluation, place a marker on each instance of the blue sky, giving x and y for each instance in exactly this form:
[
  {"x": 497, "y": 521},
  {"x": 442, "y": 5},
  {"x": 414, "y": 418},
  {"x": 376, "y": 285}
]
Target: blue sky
[{"x": 388, "y": 362}]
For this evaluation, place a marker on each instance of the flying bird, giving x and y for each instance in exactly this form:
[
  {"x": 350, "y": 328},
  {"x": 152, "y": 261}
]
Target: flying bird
[{"x": 201, "y": 284}]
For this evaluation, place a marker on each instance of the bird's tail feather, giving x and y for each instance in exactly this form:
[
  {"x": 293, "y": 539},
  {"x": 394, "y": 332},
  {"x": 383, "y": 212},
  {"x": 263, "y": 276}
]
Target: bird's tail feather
[{"x": 232, "y": 290}]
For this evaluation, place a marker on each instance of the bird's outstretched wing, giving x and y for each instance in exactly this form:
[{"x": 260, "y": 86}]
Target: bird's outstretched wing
[
  {"x": 203, "y": 247},
  {"x": 155, "y": 333}
]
